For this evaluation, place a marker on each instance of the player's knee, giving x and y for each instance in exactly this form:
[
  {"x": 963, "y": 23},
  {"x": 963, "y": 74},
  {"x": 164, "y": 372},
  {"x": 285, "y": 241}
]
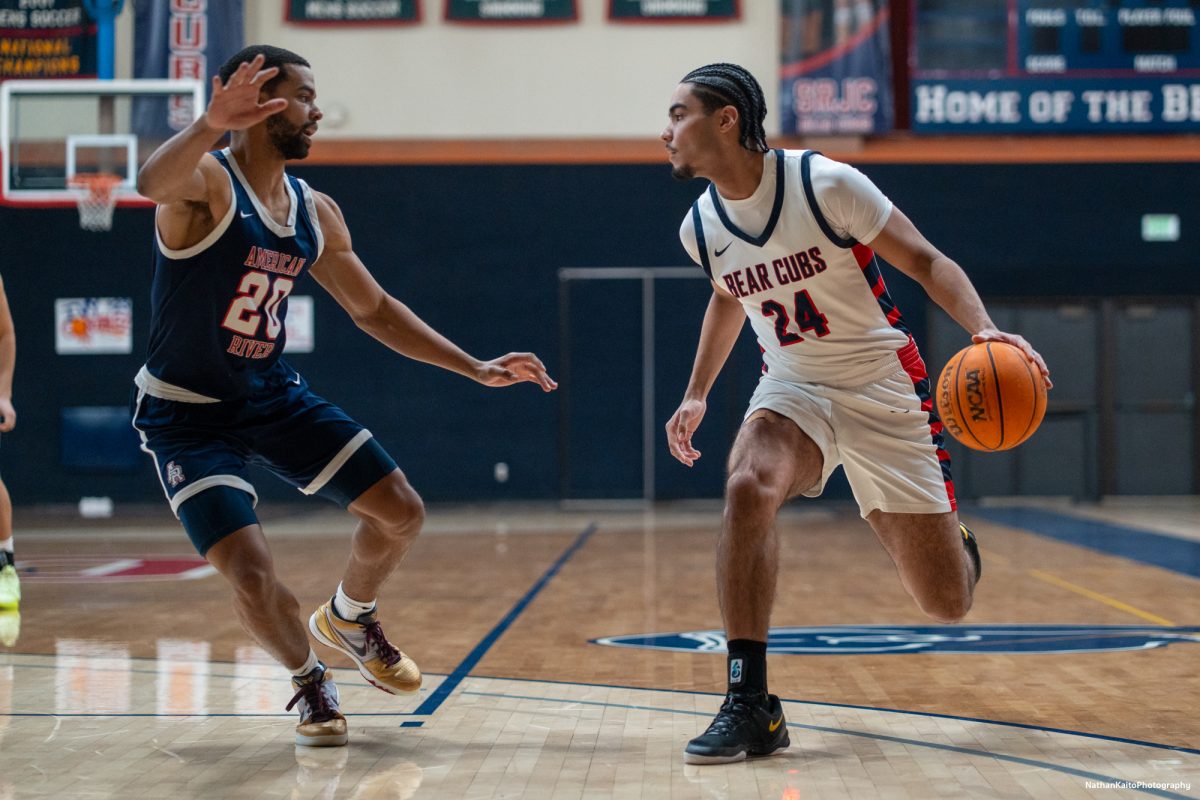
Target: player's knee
[
  {"x": 394, "y": 507},
  {"x": 255, "y": 584},
  {"x": 947, "y": 607},
  {"x": 748, "y": 490}
]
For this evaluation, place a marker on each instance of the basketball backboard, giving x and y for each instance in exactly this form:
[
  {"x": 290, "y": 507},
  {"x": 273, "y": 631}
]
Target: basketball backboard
[{"x": 52, "y": 131}]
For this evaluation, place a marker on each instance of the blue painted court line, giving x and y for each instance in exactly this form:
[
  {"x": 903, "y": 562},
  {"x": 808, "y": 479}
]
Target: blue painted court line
[
  {"x": 879, "y": 737},
  {"x": 439, "y": 695},
  {"x": 1156, "y": 549},
  {"x": 882, "y": 709}
]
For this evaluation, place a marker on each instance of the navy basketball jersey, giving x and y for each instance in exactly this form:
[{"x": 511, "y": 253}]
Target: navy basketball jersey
[{"x": 218, "y": 307}]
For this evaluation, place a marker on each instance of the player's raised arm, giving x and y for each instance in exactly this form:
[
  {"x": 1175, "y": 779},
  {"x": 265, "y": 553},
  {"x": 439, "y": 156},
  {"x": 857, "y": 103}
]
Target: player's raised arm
[
  {"x": 343, "y": 275},
  {"x": 177, "y": 170}
]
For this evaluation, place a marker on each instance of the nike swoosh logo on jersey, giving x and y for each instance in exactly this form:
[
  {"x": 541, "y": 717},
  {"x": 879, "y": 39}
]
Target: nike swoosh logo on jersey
[
  {"x": 718, "y": 253},
  {"x": 247, "y": 214}
]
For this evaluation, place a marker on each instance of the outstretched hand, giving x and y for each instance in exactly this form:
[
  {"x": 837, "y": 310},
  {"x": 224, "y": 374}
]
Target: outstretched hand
[
  {"x": 993, "y": 335},
  {"x": 8, "y": 416},
  {"x": 234, "y": 105},
  {"x": 515, "y": 368},
  {"x": 681, "y": 426}
]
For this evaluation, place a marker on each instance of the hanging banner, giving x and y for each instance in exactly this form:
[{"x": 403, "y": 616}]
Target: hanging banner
[
  {"x": 673, "y": 10},
  {"x": 93, "y": 325},
  {"x": 180, "y": 39},
  {"x": 836, "y": 75},
  {"x": 352, "y": 12},
  {"x": 46, "y": 39},
  {"x": 501, "y": 11}
]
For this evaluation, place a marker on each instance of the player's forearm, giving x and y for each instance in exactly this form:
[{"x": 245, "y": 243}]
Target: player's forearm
[
  {"x": 722, "y": 323},
  {"x": 171, "y": 167},
  {"x": 397, "y": 327},
  {"x": 8, "y": 360},
  {"x": 949, "y": 287}
]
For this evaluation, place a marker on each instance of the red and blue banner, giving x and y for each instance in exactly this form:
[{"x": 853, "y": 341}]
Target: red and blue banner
[
  {"x": 180, "y": 39},
  {"x": 836, "y": 75},
  {"x": 47, "y": 39}
]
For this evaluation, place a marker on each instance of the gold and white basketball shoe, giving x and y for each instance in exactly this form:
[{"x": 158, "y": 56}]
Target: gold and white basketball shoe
[
  {"x": 379, "y": 661},
  {"x": 321, "y": 721}
]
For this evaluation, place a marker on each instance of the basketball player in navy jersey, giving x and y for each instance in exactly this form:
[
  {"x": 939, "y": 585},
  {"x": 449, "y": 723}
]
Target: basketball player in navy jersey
[
  {"x": 788, "y": 239},
  {"x": 235, "y": 233}
]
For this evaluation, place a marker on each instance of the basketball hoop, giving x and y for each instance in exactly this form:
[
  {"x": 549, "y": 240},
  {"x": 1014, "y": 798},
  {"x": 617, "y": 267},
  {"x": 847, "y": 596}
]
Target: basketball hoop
[{"x": 95, "y": 198}]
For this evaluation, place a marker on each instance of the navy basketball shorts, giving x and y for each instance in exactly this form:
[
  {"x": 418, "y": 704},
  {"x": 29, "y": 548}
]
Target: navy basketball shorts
[{"x": 201, "y": 451}]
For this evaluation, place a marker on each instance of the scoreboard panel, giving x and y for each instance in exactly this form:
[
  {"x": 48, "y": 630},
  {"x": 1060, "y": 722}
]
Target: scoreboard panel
[{"x": 1055, "y": 65}]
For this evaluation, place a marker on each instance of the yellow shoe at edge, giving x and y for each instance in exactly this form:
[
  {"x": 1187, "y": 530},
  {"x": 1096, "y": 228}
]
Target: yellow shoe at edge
[{"x": 10, "y": 587}]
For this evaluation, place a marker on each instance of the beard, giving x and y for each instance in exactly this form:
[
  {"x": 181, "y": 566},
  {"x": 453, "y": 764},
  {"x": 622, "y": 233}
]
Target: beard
[
  {"x": 683, "y": 173},
  {"x": 287, "y": 138}
]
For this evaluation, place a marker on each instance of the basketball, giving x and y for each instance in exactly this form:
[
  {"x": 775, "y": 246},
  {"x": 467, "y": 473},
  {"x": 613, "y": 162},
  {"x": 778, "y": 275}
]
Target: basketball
[{"x": 991, "y": 397}]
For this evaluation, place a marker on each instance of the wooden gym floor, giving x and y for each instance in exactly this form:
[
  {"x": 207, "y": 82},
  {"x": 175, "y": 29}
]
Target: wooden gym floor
[{"x": 555, "y": 665}]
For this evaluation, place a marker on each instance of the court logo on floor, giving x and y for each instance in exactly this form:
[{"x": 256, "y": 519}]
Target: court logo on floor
[
  {"x": 91, "y": 568},
  {"x": 888, "y": 639}
]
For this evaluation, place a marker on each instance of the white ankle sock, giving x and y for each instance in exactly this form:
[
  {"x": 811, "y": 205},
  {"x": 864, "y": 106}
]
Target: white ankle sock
[
  {"x": 349, "y": 609},
  {"x": 6, "y": 544},
  {"x": 309, "y": 665}
]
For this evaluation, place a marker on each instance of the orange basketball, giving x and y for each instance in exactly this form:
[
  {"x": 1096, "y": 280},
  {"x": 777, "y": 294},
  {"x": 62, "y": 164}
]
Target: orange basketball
[{"x": 991, "y": 397}]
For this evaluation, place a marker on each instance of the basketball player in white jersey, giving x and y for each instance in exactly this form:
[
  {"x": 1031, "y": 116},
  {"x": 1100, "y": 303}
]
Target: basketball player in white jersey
[{"x": 789, "y": 239}]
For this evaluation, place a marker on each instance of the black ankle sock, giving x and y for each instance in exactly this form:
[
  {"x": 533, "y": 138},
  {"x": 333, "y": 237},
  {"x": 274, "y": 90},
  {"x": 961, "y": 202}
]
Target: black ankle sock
[
  {"x": 747, "y": 667},
  {"x": 7, "y": 558}
]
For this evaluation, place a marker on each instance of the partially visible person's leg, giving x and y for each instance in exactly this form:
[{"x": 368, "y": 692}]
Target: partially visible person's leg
[
  {"x": 267, "y": 609},
  {"x": 935, "y": 567},
  {"x": 319, "y": 448},
  {"x": 891, "y": 444},
  {"x": 390, "y": 514},
  {"x": 772, "y": 460},
  {"x": 10, "y": 584}
]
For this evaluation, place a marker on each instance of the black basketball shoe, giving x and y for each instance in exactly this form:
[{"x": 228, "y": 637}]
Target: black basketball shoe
[
  {"x": 973, "y": 549},
  {"x": 745, "y": 727}
]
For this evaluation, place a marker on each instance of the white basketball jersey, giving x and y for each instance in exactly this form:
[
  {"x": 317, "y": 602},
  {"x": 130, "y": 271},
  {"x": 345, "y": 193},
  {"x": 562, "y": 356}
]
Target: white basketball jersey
[{"x": 790, "y": 254}]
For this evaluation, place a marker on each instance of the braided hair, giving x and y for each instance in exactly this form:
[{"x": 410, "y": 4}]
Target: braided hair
[{"x": 718, "y": 85}]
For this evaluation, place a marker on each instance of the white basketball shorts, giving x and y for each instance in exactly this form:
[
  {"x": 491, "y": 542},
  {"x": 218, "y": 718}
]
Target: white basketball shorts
[{"x": 884, "y": 434}]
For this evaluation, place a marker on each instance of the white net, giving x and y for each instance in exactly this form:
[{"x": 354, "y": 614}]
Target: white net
[{"x": 95, "y": 197}]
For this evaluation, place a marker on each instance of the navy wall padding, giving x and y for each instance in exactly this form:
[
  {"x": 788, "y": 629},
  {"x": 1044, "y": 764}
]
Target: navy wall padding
[{"x": 475, "y": 251}]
